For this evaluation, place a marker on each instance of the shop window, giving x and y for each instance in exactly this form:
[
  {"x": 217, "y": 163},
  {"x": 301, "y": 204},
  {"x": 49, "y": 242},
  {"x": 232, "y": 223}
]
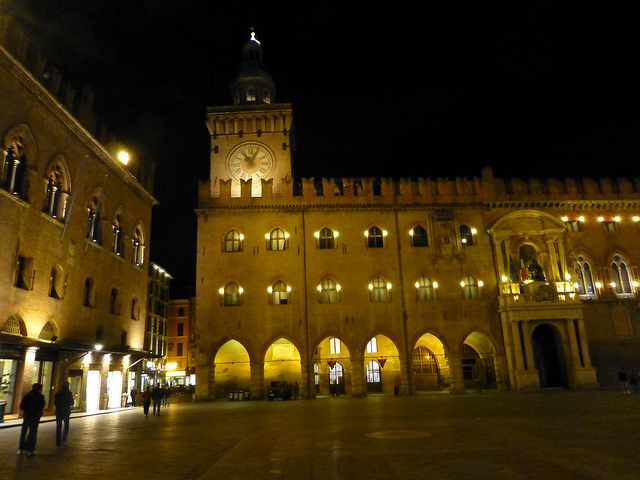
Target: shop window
[
  {"x": 233, "y": 241},
  {"x": 419, "y": 237}
]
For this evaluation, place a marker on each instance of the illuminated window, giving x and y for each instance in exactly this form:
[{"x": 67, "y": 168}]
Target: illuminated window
[
  {"x": 94, "y": 230},
  {"x": 373, "y": 372},
  {"x": 233, "y": 241},
  {"x": 424, "y": 287},
  {"x": 419, "y": 237},
  {"x": 326, "y": 239},
  {"x": 573, "y": 226},
  {"x": 372, "y": 346},
  {"x": 138, "y": 246},
  {"x": 375, "y": 238},
  {"x": 279, "y": 293},
  {"x": 469, "y": 287},
  {"x": 466, "y": 235},
  {"x": 584, "y": 277},
  {"x": 334, "y": 346},
  {"x": 609, "y": 226},
  {"x": 118, "y": 241},
  {"x": 378, "y": 290},
  {"x": 621, "y": 276},
  {"x": 14, "y": 167},
  {"x": 56, "y": 194},
  {"x": 328, "y": 292},
  {"x": 316, "y": 374},
  {"x": 231, "y": 295},
  {"x": 277, "y": 240}
]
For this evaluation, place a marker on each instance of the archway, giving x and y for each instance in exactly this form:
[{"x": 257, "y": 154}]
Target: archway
[
  {"x": 382, "y": 365},
  {"x": 547, "y": 358},
  {"x": 478, "y": 362},
  {"x": 232, "y": 369},
  {"x": 430, "y": 364},
  {"x": 333, "y": 362},
  {"x": 282, "y": 363}
]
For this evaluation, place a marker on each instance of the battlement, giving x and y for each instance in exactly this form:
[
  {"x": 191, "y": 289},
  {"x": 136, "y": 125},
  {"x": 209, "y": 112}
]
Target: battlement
[{"x": 371, "y": 191}]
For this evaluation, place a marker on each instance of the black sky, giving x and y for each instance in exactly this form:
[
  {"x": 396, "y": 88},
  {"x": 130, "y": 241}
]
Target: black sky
[{"x": 427, "y": 89}]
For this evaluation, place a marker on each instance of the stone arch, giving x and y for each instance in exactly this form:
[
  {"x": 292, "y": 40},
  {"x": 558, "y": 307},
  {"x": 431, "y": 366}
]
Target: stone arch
[
  {"x": 282, "y": 362},
  {"x": 478, "y": 358},
  {"x": 232, "y": 366},
  {"x": 430, "y": 363},
  {"x": 326, "y": 358},
  {"x": 48, "y": 331},
  {"x": 387, "y": 356},
  {"x": 14, "y": 325},
  {"x": 550, "y": 359}
]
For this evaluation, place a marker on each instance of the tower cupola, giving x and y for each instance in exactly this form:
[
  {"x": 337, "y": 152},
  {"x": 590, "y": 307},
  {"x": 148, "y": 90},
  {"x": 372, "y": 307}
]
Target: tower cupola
[{"x": 252, "y": 85}]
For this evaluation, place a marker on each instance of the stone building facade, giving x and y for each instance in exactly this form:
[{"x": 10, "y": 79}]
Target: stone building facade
[
  {"x": 75, "y": 225},
  {"x": 365, "y": 285}
]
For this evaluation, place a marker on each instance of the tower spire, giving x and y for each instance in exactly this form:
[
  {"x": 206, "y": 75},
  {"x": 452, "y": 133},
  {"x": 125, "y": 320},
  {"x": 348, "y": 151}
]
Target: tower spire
[{"x": 253, "y": 84}]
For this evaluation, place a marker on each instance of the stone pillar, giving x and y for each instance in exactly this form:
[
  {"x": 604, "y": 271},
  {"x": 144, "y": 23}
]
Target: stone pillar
[
  {"x": 205, "y": 382},
  {"x": 257, "y": 380},
  {"x": 358, "y": 380},
  {"x": 455, "y": 374}
]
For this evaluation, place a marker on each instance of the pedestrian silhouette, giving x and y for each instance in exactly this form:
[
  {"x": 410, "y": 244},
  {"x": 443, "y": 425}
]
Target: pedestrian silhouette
[
  {"x": 63, "y": 402},
  {"x": 146, "y": 401},
  {"x": 32, "y": 405},
  {"x": 156, "y": 396}
]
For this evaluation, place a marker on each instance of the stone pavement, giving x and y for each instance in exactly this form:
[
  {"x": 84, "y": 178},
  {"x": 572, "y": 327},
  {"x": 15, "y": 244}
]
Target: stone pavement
[{"x": 547, "y": 436}]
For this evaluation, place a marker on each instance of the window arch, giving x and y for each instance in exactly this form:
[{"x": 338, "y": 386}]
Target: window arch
[
  {"x": 425, "y": 288},
  {"x": 375, "y": 237},
  {"x": 94, "y": 227},
  {"x": 584, "y": 277},
  {"x": 379, "y": 290},
  {"x": 57, "y": 282},
  {"x": 233, "y": 241},
  {"x": 466, "y": 235},
  {"x": 89, "y": 293},
  {"x": 279, "y": 293},
  {"x": 373, "y": 372},
  {"x": 14, "y": 326},
  {"x": 47, "y": 332},
  {"x": 24, "y": 272},
  {"x": 326, "y": 238},
  {"x": 15, "y": 162},
  {"x": 623, "y": 283},
  {"x": 372, "y": 345},
  {"x": 231, "y": 294},
  {"x": 328, "y": 291},
  {"x": 118, "y": 240},
  {"x": 277, "y": 240},
  {"x": 138, "y": 244},
  {"x": 419, "y": 237},
  {"x": 470, "y": 287},
  {"x": 57, "y": 189}
]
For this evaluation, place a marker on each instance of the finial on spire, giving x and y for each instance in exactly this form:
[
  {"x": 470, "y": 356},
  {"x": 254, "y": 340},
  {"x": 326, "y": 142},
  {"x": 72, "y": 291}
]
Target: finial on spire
[{"x": 253, "y": 36}]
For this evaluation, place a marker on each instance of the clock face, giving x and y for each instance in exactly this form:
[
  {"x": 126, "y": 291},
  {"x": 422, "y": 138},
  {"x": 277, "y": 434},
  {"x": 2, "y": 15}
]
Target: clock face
[{"x": 251, "y": 161}]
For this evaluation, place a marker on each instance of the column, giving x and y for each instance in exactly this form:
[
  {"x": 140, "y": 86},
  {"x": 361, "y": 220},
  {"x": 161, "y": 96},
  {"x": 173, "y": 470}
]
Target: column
[
  {"x": 455, "y": 374},
  {"x": 257, "y": 380}
]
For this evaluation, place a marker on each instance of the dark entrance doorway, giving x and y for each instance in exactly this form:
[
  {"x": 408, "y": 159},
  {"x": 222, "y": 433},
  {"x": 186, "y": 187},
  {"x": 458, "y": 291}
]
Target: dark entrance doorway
[{"x": 547, "y": 358}]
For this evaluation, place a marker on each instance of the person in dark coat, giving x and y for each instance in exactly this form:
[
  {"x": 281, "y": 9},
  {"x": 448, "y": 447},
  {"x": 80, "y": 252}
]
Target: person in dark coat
[
  {"x": 63, "y": 402},
  {"x": 32, "y": 405},
  {"x": 146, "y": 401},
  {"x": 156, "y": 395}
]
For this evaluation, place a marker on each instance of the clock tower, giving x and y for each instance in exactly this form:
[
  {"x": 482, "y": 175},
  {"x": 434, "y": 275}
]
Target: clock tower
[{"x": 250, "y": 140}]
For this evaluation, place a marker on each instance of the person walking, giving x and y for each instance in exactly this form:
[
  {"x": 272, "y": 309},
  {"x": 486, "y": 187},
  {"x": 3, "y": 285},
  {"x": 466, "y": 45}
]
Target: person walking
[
  {"x": 134, "y": 392},
  {"x": 32, "y": 405},
  {"x": 145, "y": 396},
  {"x": 156, "y": 396},
  {"x": 624, "y": 380},
  {"x": 63, "y": 402}
]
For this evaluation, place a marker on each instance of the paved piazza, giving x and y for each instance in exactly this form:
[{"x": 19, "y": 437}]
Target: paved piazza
[{"x": 550, "y": 435}]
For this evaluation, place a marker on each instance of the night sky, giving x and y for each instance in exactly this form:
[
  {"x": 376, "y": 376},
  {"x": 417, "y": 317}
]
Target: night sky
[{"x": 531, "y": 89}]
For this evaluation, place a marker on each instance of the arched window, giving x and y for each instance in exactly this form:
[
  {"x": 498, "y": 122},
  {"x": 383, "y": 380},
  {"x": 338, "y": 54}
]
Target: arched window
[
  {"x": 233, "y": 241},
  {"x": 424, "y": 289},
  {"x": 621, "y": 276},
  {"x": 279, "y": 293},
  {"x": 135, "y": 309},
  {"x": 469, "y": 287},
  {"x": 379, "y": 290},
  {"x": 328, "y": 291},
  {"x": 24, "y": 272},
  {"x": 466, "y": 235},
  {"x": 277, "y": 240},
  {"x": 373, "y": 372},
  {"x": 372, "y": 346},
  {"x": 419, "y": 237},
  {"x": 56, "y": 282},
  {"x": 375, "y": 237},
  {"x": 326, "y": 239},
  {"x": 335, "y": 346},
  {"x": 231, "y": 294},
  {"x": 14, "y": 167},
  {"x": 89, "y": 294},
  {"x": 137, "y": 241},
  {"x": 584, "y": 277},
  {"x": 94, "y": 229},
  {"x": 118, "y": 241},
  {"x": 114, "y": 301},
  {"x": 57, "y": 192}
]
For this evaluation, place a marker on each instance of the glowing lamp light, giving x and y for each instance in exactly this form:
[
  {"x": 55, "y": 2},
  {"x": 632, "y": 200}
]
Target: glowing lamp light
[
  {"x": 411, "y": 232},
  {"x": 504, "y": 279},
  {"x": 635, "y": 284},
  {"x": 480, "y": 283},
  {"x": 123, "y": 157},
  {"x": 598, "y": 285},
  {"x": 221, "y": 291},
  {"x": 417, "y": 285},
  {"x": 612, "y": 284},
  {"x": 267, "y": 236},
  {"x": 565, "y": 219},
  {"x": 366, "y": 233},
  {"x": 464, "y": 240},
  {"x": 97, "y": 347},
  {"x": 616, "y": 219},
  {"x": 384, "y": 233},
  {"x": 240, "y": 290},
  {"x": 288, "y": 289},
  {"x": 601, "y": 219},
  {"x": 286, "y": 235},
  {"x": 581, "y": 219},
  {"x": 335, "y": 234},
  {"x": 316, "y": 234},
  {"x": 241, "y": 237},
  {"x": 319, "y": 288},
  {"x": 435, "y": 284},
  {"x": 473, "y": 231},
  {"x": 269, "y": 289},
  {"x": 636, "y": 219},
  {"x": 462, "y": 283},
  {"x": 338, "y": 287},
  {"x": 567, "y": 276},
  {"x": 388, "y": 286},
  {"x": 370, "y": 286}
]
